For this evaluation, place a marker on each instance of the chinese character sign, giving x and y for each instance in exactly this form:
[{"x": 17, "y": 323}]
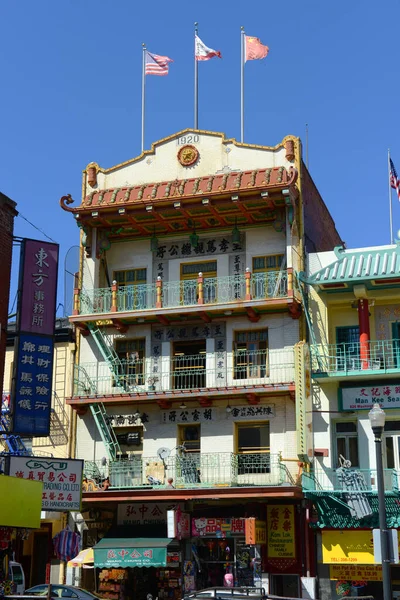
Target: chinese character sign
[
  {"x": 38, "y": 284},
  {"x": 143, "y": 513},
  {"x": 32, "y": 387},
  {"x": 281, "y": 531},
  {"x": 220, "y": 528},
  {"x": 363, "y": 398},
  {"x": 61, "y": 478}
]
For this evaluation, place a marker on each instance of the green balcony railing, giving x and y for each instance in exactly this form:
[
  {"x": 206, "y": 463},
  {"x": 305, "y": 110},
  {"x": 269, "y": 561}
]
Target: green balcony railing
[
  {"x": 382, "y": 356},
  {"x": 348, "y": 480},
  {"x": 174, "y": 294},
  {"x": 195, "y": 372},
  {"x": 191, "y": 470}
]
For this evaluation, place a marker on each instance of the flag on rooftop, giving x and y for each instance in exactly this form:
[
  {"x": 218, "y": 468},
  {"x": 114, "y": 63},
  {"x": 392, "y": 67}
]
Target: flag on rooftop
[
  {"x": 202, "y": 52},
  {"x": 157, "y": 65},
  {"x": 254, "y": 48},
  {"x": 394, "y": 180}
]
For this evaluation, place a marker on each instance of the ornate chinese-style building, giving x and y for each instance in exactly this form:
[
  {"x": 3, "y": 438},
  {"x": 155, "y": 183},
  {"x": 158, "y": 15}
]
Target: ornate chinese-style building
[
  {"x": 190, "y": 387},
  {"x": 354, "y": 316}
]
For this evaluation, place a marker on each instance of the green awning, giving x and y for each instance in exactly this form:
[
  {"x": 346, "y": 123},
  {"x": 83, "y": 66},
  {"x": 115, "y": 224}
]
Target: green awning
[
  {"x": 131, "y": 552},
  {"x": 333, "y": 513}
]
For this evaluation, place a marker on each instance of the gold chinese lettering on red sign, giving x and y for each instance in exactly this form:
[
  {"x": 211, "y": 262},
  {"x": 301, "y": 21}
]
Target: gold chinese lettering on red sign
[{"x": 281, "y": 531}]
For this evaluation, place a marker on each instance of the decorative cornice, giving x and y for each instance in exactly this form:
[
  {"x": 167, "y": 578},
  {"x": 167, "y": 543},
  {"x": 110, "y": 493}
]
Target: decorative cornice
[
  {"x": 276, "y": 178},
  {"x": 174, "y": 136}
]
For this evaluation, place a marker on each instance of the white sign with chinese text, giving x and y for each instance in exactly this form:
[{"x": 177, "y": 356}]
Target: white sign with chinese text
[
  {"x": 62, "y": 480},
  {"x": 363, "y": 398},
  {"x": 143, "y": 513},
  {"x": 204, "y": 415}
]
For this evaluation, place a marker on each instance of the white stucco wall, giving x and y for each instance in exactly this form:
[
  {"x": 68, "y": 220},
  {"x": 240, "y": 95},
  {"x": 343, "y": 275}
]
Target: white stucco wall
[{"x": 214, "y": 157}]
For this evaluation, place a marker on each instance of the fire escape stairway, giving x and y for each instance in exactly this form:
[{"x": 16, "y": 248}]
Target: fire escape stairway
[
  {"x": 98, "y": 409},
  {"x": 13, "y": 442}
]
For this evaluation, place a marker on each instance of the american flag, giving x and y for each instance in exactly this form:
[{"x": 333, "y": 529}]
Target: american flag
[
  {"x": 394, "y": 180},
  {"x": 157, "y": 65}
]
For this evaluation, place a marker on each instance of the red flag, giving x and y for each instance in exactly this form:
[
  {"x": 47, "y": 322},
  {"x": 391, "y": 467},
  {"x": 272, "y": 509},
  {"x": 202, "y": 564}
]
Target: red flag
[{"x": 254, "y": 48}]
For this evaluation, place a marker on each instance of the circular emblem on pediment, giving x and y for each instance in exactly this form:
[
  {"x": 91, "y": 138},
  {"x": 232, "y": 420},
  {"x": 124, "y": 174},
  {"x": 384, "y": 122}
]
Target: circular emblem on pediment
[{"x": 188, "y": 155}]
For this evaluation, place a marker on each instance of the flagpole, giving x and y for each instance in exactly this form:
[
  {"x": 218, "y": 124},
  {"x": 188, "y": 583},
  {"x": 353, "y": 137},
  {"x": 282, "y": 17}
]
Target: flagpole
[
  {"x": 143, "y": 90},
  {"x": 242, "y": 60},
  {"x": 196, "y": 81},
  {"x": 390, "y": 201}
]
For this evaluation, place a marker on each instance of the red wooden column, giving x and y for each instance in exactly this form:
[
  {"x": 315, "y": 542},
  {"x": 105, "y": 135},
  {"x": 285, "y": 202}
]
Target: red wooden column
[{"x": 363, "y": 324}]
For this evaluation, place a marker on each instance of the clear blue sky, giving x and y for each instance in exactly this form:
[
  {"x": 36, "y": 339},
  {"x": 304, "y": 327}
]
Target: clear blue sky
[{"x": 71, "y": 91}]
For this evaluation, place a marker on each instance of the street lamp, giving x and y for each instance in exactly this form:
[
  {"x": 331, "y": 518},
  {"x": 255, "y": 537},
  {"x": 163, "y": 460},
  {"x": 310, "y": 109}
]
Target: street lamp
[{"x": 377, "y": 419}]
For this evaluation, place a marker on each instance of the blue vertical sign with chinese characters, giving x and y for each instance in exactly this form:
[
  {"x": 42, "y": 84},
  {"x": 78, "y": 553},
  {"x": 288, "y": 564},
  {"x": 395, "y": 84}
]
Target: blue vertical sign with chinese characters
[
  {"x": 33, "y": 385},
  {"x": 33, "y": 364}
]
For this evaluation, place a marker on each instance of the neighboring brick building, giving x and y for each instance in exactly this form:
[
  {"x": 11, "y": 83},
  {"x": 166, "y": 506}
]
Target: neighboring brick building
[{"x": 7, "y": 215}]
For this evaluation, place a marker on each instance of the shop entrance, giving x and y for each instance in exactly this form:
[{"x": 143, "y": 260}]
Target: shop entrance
[
  {"x": 285, "y": 585},
  {"x": 40, "y": 557},
  {"x": 189, "y": 365}
]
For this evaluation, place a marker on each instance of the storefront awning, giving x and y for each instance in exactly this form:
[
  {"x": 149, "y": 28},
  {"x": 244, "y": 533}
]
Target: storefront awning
[
  {"x": 131, "y": 552},
  {"x": 333, "y": 513}
]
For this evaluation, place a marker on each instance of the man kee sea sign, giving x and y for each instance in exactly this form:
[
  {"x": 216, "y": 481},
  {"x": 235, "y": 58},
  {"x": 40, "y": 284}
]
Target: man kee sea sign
[{"x": 33, "y": 365}]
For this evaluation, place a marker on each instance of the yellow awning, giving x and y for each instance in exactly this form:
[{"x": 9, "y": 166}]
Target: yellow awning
[
  {"x": 85, "y": 557},
  {"x": 21, "y": 502}
]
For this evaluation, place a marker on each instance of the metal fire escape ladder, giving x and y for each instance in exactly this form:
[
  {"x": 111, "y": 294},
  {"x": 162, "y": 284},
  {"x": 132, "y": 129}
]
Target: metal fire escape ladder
[
  {"x": 99, "y": 413},
  {"x": 105, "y": 345},
  {"x": 13, "y": 442}
]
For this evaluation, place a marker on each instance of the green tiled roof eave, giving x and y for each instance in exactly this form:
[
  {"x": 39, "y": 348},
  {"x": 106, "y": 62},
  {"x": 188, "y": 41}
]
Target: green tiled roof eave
[
  {"x": 333, "y": 514},
  {"x": 358, "y": 266}
]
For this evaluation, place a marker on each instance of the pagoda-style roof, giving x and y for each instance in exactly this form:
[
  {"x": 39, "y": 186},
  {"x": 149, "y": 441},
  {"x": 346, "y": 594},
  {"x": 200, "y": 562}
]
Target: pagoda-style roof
[
  {"x": 370, "y": 266},
  {"x": 207, "y": 202}
]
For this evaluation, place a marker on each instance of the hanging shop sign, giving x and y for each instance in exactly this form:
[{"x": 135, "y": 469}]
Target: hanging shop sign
[
  {"x": 61, "y": 478},
  {"x": 33, "y": 385},
  {"x": 255, "y": 531},
  {"x": 355, "y": 547},
  {"x": 364, "y": 397},
  {"x": 281, "y": 531},
  {"x": 33, "y": 363},
  {"x": 355, "y": 572},
  {"x": 20, "y": 502},
  {"x": 39, "y": 264},
  {"x": 140, "y": 513},
  {"x": 220, "y": 528}
]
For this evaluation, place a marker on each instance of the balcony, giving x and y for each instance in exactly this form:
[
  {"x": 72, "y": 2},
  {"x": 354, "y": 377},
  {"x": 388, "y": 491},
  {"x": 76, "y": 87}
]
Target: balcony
[
  {"x": 348, "y": 480},
  {"x": 249, "y": 290},
  {"x": 191, "y": 470},
  {"x": 338, "y": 360},
  {"x": 209, "y": 373}
]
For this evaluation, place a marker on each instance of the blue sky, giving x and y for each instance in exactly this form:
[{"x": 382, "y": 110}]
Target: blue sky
[{"x": 71, "y": 92}]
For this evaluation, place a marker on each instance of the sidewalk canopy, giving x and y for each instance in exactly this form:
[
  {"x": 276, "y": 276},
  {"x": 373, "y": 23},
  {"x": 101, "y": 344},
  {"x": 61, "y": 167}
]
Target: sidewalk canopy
[
  {"x": 85, "y": 557},
  {"x": 131, "y": 552}
]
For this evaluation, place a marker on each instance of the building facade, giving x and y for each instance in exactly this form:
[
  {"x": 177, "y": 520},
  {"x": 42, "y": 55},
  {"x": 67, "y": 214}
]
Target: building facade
[
  {"x": 354, "y": 318},
  {"x": 189, "y": 386}
]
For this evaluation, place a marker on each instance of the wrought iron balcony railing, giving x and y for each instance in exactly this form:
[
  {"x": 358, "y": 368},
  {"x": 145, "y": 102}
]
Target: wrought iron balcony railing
[
  {"x": 174, "y": 294},
  {"x": 382, "y": 356},
  {"x": 215, "y": 370},
  {"x": 191, "y": 470},
  {"x": 348, "y": 480}
]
